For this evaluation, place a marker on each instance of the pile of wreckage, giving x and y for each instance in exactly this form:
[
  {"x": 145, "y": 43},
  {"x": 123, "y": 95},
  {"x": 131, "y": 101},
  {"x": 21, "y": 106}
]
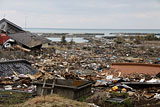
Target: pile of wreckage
[
  {"x": 20, "y": 76},
  {"x": 121, "y": 79},
  {"x": 133, "y": 82},
  {"x": 76, "y": 72},
  {"x": 11, "y": 34}
]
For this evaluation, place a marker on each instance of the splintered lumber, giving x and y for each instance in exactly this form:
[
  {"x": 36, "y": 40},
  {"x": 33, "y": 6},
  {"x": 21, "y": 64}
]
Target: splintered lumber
[
  {"x": 6, "y": 82},
  {"x": 35, "y": 76},
  {"x": 23, "y": 49},
  {"x": 46, "y": 74}
]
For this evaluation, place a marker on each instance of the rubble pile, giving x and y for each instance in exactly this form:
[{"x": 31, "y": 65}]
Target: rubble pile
[{"x": 123, "y": 71}]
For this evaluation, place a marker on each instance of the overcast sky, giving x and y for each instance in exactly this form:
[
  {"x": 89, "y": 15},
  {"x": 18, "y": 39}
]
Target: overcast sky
[{"x": 107, "y": 14}]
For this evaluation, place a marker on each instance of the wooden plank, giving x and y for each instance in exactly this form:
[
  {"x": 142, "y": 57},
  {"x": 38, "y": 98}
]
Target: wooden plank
[
  {"x": 44, "y": 83},
  {"x": 54, "y": 81}
]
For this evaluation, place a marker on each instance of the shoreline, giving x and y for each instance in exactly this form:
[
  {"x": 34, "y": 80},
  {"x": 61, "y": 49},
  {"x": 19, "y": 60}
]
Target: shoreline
[
  {"x": 59, "y": 35},
  {"x": 89, "y": 35}
]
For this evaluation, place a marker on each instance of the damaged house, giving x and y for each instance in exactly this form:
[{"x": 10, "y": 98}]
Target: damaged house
[{"x": 22, "y": 37}]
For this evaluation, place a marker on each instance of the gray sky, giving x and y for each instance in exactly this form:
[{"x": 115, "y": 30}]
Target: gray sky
[{"x": 109, "y": 14}]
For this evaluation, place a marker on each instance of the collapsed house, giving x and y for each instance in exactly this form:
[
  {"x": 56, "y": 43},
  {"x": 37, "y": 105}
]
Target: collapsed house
[
  {"x": 22, "y": 37},
  {"x": 28, "y": 39}
]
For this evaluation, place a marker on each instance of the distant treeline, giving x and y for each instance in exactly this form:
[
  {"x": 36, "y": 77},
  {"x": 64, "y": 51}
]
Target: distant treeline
[{"x": 137, "y": 39}]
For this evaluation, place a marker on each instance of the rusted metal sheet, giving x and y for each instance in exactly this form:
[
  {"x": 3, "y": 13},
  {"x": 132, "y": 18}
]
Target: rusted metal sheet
[{"x": 127, "y": 68}]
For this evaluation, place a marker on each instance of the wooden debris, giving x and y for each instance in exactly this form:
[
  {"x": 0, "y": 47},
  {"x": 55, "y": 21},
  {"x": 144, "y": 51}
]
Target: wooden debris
[{"x": 23, "y": 49}]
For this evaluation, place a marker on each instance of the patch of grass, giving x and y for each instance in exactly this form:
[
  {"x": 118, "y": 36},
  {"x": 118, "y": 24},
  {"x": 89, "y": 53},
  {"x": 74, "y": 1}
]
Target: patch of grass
[
  {"x": 123, "y": 94},
  {"x": 12, "y": 97},
  {"x": 52, "y": 101},
  {"x": 126, "y": 103},
  {"x": 83, "y": 98},
  {"x": 114, "y": 104}
]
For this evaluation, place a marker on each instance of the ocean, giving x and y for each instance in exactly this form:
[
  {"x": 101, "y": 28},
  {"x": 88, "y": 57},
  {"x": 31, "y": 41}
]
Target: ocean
[
  {"x": 81, "y": 40},
  {"x": 105, "y": 31}
]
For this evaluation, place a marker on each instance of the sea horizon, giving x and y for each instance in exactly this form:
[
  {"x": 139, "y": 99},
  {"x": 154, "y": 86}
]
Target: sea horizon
[
  {"x": 97, "y": 28},
  {"x": 82, "y": 30}
]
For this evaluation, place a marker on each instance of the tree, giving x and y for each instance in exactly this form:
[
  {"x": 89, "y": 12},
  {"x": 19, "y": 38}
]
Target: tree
[
  {"x": 151, "y": 37},
  {"x": 63, "y": 40},
  {"x": 72, "y": 41}
]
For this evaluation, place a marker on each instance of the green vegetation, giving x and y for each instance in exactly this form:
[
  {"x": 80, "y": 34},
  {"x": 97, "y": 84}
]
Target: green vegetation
[
  {"x": 140, "y": 39},
  {"x": 151, "y": 37},
  {"x": 119, "y": 39},
  {"x": 72, "y": 42},
  {"x": 123, "y": 94},
  {"x": 82, "y": 99},
  {"x": 126, "y": 103},
  {"x": 12, "y": 97},
  {"x": 63, "y": 40}
]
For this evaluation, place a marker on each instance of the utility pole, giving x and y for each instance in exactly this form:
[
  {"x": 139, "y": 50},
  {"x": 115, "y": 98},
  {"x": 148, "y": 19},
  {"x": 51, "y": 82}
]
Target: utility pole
[
  {"x": 4, "y": 15},
  {"x": 25, "y": 22}
]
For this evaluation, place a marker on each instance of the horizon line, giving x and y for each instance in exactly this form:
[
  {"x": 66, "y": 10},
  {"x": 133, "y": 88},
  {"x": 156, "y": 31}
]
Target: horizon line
[{"x": 96, "y": 28}]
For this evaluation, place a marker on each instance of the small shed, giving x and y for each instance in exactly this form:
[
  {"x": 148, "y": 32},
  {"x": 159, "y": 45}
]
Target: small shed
[{"x": 73, "y": 89}]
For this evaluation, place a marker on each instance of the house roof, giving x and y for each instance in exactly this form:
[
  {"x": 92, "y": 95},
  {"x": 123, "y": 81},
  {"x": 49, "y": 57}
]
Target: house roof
[
  {"x": 19, "y": 66},
  {"x": 28, "y": 39},
  {"x": 10, "y": 27}
]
